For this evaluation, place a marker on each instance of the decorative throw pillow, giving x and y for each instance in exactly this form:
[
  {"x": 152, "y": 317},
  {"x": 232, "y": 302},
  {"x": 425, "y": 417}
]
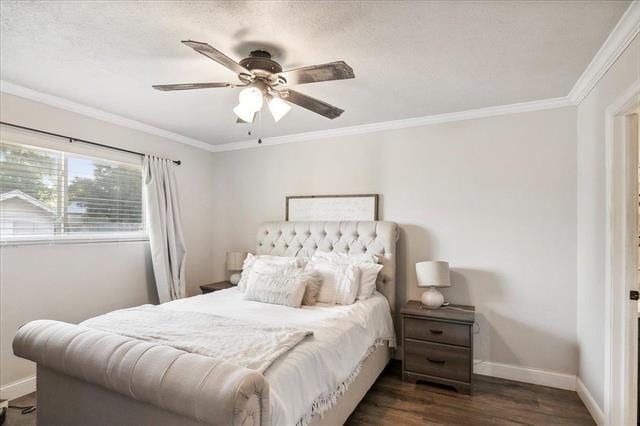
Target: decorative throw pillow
[
  {"x": 280, "y": 288},
  {"x": 368, "y": 265},
  {"x": 314, "y": 284},
  {"x": 339, "y": 281},
  {"x": 266, "y": 263}
]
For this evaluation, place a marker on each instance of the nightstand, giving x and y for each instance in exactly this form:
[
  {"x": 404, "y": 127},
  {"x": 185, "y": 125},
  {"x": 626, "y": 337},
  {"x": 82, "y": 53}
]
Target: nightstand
[
  {"x": 209, "y": 288},
  {"x": 438, "y": 344}
]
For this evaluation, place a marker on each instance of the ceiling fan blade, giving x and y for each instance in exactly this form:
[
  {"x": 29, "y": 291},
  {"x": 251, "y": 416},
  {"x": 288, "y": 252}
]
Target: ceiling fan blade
[
  {"x": 338, "y": 70},
  {"x": 191, "y": 86},
  {"x": 216, "y": 55},
  {"x": 312, "y": 104}
]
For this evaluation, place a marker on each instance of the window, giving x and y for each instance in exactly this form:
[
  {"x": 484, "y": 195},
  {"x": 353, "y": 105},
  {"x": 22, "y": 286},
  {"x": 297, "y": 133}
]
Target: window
[{"x": 50, "y": 194}]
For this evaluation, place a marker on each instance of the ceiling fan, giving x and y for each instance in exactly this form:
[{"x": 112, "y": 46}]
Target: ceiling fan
[{"x": 263, "y": 78}]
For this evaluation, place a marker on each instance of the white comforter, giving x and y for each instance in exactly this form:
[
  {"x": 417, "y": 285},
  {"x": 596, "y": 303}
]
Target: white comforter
[{"x": 315, "y": 368}]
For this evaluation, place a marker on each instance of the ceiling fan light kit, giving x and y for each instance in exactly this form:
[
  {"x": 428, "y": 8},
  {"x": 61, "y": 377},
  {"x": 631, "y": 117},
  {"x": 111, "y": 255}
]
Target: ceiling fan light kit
[{"x": 263, "y": 78}]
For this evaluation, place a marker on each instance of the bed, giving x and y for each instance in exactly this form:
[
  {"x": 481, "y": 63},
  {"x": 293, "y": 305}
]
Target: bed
[{"x": 320, "y": 381}]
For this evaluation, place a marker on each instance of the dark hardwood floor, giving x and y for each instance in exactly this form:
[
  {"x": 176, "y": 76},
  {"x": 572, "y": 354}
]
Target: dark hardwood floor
[
  {"x": 493, "y": 402},
  {"x": 394, "y": 402},
  {"x": 14, "y": 418}
]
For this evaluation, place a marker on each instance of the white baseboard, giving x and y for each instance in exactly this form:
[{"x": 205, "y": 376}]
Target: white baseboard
[
  {"x": 18, "y": 388},
  {"x": 591, "y": 404},
  {"x": 525, "y": 374},
  {"x": 544, "y": 378}
]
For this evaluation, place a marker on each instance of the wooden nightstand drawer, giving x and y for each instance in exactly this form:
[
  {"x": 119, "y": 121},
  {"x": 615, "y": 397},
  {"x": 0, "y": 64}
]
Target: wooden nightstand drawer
[
  {"x": 437, "y": 360},
  {"x": 437, "y": 331}
]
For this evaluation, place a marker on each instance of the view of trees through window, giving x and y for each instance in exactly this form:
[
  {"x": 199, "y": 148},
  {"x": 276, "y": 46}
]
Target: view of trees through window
[{"x": 45, "y": 192}]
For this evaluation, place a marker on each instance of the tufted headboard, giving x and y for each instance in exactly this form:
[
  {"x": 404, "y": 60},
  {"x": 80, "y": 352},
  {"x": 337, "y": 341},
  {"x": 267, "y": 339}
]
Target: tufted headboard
[{"x": 305, "y": 238}]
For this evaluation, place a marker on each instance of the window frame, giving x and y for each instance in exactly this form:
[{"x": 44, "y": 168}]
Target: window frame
[{"x": 77, "y": 237}]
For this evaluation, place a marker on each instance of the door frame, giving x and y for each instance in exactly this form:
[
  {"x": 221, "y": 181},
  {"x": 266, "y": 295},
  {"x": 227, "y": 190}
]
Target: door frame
[{"x": 621, "y": 258}]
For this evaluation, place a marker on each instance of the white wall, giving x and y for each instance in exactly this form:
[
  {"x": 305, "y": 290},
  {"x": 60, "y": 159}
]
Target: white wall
[
  {"x": 591, "y": 219},
  {"x": 496, "y": 197},
  {"x": 73, "y": 282}
]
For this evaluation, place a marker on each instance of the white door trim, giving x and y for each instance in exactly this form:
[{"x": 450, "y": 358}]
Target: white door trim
[{"x": 621, "y": 339}]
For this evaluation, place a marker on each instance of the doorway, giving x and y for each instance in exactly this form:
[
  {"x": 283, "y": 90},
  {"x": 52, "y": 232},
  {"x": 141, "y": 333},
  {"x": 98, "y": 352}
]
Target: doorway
[{"x": 622, "y": 259}]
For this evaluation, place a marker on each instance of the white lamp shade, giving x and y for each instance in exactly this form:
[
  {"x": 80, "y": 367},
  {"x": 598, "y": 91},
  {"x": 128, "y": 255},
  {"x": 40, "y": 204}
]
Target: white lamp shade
[
  {"x": 235, "y": 259},
  {"x": 279, "y": 108},
  {"x": 245, "y": 114},
  {"x": 433, "y": 274},
  {"x": 251, "y": 99}
]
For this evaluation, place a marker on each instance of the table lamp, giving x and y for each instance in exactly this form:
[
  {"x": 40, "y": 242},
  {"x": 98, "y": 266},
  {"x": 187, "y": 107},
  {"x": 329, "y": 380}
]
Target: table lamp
[
  {"x": 432, "y": 275},
  {"x": 235, "y": 259}
]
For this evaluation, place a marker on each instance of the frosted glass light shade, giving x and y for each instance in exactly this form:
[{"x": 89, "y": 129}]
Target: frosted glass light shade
[
  {"x": 235, "y": 259},
  {"x": 433, "y": 274},
  {"x": 278, "y": 108},
  {"x": 244, "y": 113},
  {"x": 251, "y": 99}
]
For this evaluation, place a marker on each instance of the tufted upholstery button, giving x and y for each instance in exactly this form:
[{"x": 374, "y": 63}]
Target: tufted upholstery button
[
  {"x": 364, "y": 249},
  {"x": 273, "y": 245}
]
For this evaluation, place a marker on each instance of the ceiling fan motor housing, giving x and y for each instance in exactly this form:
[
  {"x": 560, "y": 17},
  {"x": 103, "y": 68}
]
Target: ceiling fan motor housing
[{"x": 260, "y": 60}]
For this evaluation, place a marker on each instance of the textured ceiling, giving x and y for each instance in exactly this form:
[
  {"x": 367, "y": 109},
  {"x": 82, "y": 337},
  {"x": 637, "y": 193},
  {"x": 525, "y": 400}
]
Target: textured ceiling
[{"x": 410, "y": 58}]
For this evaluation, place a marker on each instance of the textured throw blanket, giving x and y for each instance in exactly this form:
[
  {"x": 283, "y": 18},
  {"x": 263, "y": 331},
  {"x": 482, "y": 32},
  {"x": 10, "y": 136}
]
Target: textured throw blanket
[{"x": 243, "y": 343}]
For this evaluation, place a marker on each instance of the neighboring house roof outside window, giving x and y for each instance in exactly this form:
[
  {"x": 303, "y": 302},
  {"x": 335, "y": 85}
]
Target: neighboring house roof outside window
[
  {"x": 76, "y": 207},
  {"x": 16, "y": 193}
]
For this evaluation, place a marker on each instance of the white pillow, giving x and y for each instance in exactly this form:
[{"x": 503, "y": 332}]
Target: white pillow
[
  {"x": 368, "y": 277},
  {"x": 314, "y": 284},
  {"x": 278, "y": 288},
  {"x": 368, "y": 265},
  {"x": 339, "y": 281},
  {"x": 338, "y": 256},
  {"x": 266, "y": 263}
]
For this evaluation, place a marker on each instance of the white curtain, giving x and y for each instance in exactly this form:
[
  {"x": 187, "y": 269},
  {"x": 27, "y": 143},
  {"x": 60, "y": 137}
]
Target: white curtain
[{"x": 168, "y": 251}]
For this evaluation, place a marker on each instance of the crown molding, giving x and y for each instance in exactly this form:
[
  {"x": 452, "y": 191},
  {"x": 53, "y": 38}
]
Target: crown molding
[
  {"x": 618, "y": 40},
  {"x": 67, "y": 105},
  {"x": 401, "y": 124}
]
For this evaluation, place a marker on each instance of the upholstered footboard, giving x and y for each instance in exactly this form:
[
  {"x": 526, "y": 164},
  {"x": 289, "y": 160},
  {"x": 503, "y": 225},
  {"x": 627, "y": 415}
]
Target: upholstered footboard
[{"x": 161, "y": 378}]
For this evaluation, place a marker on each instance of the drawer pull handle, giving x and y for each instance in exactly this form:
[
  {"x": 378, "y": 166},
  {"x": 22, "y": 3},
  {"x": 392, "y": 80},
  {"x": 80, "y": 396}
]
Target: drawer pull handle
[
  {"x": 436, "y": 331},
  {"x": 436, "y": 361}
]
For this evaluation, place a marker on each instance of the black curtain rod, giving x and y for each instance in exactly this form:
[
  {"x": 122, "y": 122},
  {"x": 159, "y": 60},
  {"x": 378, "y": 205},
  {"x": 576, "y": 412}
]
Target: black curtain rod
[{"x": 71, "y": 139}]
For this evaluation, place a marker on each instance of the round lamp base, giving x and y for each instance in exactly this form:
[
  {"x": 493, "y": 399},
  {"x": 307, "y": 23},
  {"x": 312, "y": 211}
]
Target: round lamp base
[
  {"x": 432, "y": 298},
  {"x": 234, "y": 279}
]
